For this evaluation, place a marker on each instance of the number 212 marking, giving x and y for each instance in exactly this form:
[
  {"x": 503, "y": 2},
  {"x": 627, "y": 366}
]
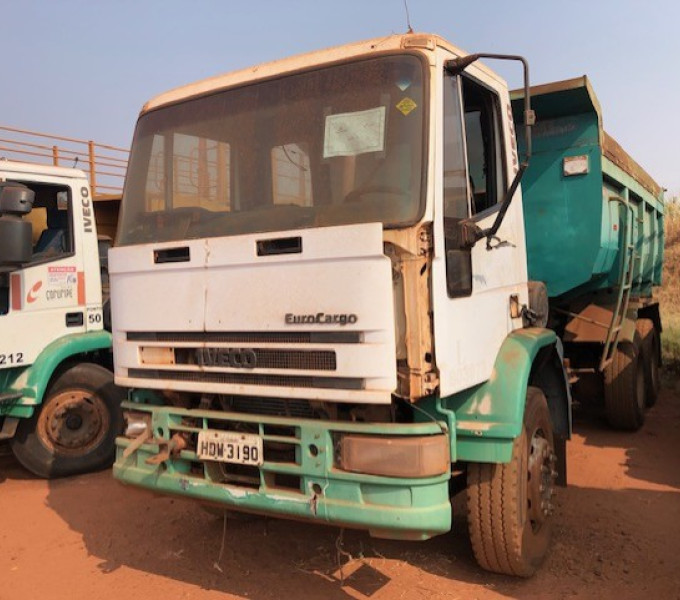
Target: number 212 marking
[{"x": 15, "y": 358}]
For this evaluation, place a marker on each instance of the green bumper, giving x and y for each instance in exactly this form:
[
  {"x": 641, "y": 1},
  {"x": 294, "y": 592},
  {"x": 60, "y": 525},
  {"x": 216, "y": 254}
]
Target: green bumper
[{"x": 298, "y": 479}]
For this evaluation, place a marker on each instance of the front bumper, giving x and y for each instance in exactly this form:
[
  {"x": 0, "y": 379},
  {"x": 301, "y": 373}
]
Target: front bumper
[{"x": 299, "y": 478}]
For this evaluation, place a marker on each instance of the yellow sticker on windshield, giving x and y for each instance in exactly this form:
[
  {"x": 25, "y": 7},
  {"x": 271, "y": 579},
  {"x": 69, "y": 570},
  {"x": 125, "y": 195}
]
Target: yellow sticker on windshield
[{"x": 406, "y": 105}]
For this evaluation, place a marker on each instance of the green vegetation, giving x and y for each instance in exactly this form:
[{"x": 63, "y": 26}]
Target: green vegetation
[{"x": 669, "y": 294}]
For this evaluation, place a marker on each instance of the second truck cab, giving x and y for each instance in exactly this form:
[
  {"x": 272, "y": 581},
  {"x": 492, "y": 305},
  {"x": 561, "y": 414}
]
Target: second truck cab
[{"x": 58, "y": 404}]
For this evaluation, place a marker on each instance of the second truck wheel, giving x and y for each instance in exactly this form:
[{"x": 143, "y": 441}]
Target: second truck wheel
[{"x": 74, "y": 429}]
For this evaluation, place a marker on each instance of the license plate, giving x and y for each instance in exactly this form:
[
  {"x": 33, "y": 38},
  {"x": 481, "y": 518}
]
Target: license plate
[{"x": 230, "y": 447}]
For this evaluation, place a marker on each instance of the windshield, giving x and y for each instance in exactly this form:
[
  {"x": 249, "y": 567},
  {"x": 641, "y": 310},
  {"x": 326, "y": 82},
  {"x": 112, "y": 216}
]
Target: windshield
[{"x": 338, "y": 145}]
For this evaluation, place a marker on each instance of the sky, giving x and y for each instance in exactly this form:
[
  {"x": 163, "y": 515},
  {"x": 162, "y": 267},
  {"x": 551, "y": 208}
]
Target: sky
[{"x": 84, "y": 68}]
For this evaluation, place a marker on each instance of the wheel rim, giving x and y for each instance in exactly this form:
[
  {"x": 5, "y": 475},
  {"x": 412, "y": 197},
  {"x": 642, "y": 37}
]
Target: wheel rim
[
  {"x": 73, "y": 422},
  {"x": 541, "y": 476}
]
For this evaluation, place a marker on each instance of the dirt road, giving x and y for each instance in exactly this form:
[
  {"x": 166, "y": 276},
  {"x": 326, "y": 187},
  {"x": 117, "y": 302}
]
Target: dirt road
[{"x": 618, "y": 536}]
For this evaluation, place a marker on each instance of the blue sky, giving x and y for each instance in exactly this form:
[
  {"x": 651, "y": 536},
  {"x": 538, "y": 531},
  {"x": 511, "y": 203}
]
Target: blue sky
[{"x": 84, "y": 68}]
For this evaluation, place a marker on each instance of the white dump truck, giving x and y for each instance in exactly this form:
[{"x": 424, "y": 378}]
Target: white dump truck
[{"x": 321, "y": 298}]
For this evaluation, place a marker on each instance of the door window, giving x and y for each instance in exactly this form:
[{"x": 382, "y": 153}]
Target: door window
[
  {"x": 483, "y": 142},
  {"x": 473, "y": 177},
  {"x": 51, "y": 220}
]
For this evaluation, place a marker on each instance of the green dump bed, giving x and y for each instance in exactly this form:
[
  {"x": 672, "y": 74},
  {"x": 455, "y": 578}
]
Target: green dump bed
[{"x": 585, "y": 199}]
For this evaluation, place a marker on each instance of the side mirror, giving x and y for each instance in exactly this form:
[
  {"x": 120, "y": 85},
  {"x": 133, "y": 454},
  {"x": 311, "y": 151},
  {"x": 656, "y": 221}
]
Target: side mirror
[
  {"x": 15, "y": 199},
  {"x": 16, "y": 243},
  {"x": 459, "y": 272},
  {"x": 460, "y": 237}
]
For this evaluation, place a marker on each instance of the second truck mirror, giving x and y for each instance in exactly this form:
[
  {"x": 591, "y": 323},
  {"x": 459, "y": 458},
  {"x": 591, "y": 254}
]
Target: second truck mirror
[
  {"x": 15, "y": 199},
  {"x": 16, "y": 235}
]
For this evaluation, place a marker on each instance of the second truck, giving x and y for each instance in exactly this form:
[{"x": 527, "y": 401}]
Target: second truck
[
  {"x": 59, "y": 407},
  {"x": 333, "y": 300}
]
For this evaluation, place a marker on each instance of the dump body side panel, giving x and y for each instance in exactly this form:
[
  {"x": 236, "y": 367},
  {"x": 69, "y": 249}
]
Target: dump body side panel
[{"x": 574, "y": 221}]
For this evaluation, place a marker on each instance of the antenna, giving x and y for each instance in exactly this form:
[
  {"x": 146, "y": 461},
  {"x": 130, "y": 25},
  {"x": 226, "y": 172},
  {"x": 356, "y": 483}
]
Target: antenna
[{"x": 408, "y": 18}]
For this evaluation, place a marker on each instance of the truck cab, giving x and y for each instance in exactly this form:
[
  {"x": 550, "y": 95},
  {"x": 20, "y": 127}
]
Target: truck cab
[
  {"x": 57, "y": 398},
  {"x": 320, "y": 300}
]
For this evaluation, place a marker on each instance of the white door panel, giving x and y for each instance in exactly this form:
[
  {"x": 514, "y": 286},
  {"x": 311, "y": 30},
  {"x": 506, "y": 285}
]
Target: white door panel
[{"x": 470, "y": 330}]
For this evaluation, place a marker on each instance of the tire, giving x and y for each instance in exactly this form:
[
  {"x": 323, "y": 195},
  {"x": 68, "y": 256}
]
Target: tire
[
  {"x": 510, "y": 505},
  {"x": 75, "y": 428},
  {"x": 624, "y": 387},
  {"x": 651, "y": 359}
]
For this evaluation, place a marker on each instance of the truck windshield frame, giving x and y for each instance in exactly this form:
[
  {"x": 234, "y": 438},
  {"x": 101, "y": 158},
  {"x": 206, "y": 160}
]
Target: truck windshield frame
[{"x": 337, "y": 145}]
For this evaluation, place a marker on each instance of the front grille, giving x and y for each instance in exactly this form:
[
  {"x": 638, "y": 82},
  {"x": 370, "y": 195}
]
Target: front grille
[
  {"x": 302, "y": 381},
  {"x": 303, "y": 360},
  {"x": 277, "y": 407},
  {"x": 248, "y": 337}
]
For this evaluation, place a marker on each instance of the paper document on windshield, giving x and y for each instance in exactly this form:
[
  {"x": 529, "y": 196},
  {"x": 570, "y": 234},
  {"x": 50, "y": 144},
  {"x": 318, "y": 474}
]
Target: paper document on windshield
[{"x": 349, "y": 134}]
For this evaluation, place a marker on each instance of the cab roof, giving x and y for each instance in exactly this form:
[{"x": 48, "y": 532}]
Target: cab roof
[
  {"x": 27, "y": 168},
  {"x": 416, "y": 41}
]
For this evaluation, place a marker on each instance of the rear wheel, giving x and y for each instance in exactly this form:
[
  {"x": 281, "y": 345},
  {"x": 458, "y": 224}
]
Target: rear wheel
[
  {"x": 74, "y": 429},
  {"x": 510, "y": 505},
  {"x": 624, "y": 387},
  {"x": 651, "y": 359}
]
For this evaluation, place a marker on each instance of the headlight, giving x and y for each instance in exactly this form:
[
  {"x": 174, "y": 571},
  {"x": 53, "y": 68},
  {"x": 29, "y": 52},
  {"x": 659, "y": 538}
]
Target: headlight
[{"x": 408, "y": 457}]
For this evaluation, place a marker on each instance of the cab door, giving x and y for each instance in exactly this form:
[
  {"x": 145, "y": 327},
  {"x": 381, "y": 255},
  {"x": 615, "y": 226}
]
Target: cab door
[
  {"x": 46, "y": 297},
  {"x": 476, "y": 291}
]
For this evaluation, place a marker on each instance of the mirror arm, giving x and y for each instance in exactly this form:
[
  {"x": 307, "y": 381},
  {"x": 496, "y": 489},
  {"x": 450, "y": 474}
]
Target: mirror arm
[{"x": 507, "y": 199}]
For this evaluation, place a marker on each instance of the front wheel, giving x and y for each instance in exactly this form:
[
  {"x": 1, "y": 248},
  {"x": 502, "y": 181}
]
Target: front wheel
[
  {"x": 510, "y": 505},
  {"x": 75, "y": 428}
]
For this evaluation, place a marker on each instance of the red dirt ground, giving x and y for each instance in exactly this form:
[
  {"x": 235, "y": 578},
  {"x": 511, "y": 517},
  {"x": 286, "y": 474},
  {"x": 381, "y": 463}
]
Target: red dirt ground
[{"x": 88, "y": 537}]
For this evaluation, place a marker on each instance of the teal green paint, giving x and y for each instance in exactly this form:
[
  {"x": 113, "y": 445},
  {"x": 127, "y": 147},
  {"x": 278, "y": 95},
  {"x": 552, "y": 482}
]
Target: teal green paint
[
  {"x": 489, "y": 416},
  {"x": 648, "y": 228},
  {"x": 387, "y": 495},
  {"x": 624, "y": 180},
  {"x": 13, "y": 408},
  {"x": 564, "y": 230},
  {"x": 386, "y": 506},
  {"x": 143, "y": 396},
  {"x": 32, "y": 381},
  {"x": 485, "y": 450},
  {"x": 572, "y": 230}
]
